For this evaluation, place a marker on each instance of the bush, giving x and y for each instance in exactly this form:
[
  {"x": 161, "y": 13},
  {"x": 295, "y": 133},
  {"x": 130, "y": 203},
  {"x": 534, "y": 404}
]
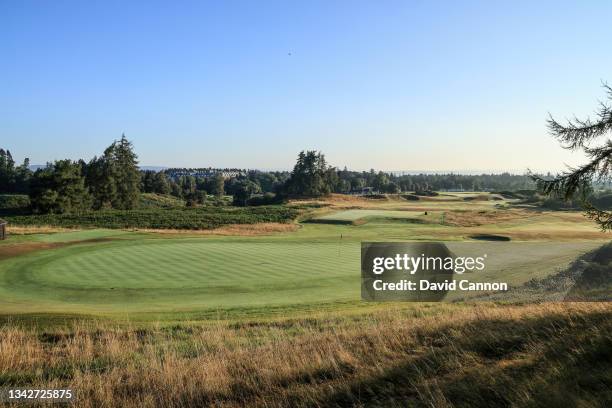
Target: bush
[
  {"x": 265, "y": 199},
  {"x": 152, "y": 200},
  {"x": 410, "y": 197},
  {"x": 175, "y": 218},
  {"x": 427, "y": 193}
]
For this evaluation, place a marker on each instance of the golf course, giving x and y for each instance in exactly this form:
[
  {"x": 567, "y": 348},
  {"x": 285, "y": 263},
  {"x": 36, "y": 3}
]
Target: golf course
[
  {"x": 270, "y": 314},
  {"x": 315, "y": 265},
  {"x": 334, "y": 204}
]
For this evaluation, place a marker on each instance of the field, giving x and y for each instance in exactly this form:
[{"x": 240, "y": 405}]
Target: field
[{"x": 273, "y": 317}]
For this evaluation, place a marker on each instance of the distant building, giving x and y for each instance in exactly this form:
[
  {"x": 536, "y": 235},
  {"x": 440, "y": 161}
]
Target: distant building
[{"x": 205, "y": 172}]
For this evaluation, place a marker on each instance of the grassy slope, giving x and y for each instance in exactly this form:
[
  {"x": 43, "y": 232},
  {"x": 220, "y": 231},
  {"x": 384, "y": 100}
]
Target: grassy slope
[{"x": 419, "y": 355}]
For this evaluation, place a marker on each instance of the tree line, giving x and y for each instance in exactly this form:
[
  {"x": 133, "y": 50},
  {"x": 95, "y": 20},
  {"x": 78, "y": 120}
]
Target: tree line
[
  {"x": 13, "y": 179},
  {"x": 113, "y": 180},
  {"x": 312, "y": 176}
]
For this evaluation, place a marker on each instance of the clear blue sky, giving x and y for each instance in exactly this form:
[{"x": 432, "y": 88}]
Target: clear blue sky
[{"x": 394, "y": 85}]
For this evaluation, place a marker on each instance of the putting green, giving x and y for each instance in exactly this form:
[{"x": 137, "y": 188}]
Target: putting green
[
  {"x": 126, "y": 272},
  {"x": 156, "y": 274}
]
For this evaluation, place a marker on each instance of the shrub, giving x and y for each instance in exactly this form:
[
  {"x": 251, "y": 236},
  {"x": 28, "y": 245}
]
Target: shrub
[
  {"x": 426, "y": 193},
  {"x": 152, "y": 200},
  {"x": 175, "y": 218},
  {"x": 265, "y": 199},
  {"x": 410, "y": 197}
]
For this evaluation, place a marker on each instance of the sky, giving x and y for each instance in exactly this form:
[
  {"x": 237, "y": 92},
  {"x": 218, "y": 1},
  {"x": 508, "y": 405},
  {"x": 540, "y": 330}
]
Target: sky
[{"x": 392, "y": 85}]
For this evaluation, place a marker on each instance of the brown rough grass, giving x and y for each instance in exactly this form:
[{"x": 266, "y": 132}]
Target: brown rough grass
[
  {"x": 36, "y": 229},
  {"x": 475, "y": 218},
  {"x": 264, "y": 228},
  {"x": 481, "y": 355},
  {"x": 11, "y": 250}
]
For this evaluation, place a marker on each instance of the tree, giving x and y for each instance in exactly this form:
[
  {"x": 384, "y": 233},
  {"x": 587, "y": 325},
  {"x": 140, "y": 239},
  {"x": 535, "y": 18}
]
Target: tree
[
  {"x": 332, "y": 180},
  {"x": 160, "y": 183},
  {"x": 358, "y": 183},
  {"x": 577, "y": 182},
  {"x": 127, "y": 176},
  {"x": 7, "y": 171},
  {"x": 267, "y": 181},
  {"x": 244, "y": 190},
  {"x": 218, "y": 186},
  {"x": 146, "y": 181},
  {"x": 22, "y": 177},
  {"x": 200, "y": 196},
  {"x": 311, "y": 176},
  {"x": 344, "y": 186},
  {"x": 392, "y": 188},
  {"x": 101, "y": 179},
  {"x": 175, "y": 189},
  {"x": 188, "y": 185},
  {"x": 380, "y": 182},
  {"x": 114, "y": 179},
  {"x": 59, "y": 188}
]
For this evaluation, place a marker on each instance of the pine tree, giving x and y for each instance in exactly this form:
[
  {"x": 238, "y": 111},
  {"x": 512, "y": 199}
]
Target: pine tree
[
  {"x": 311, "y": 176},
  {"x": 100, "y": 178},
  {"x": 7, "y": 171},
  {"x": 160, "y": 183},
  {"x": 23, "y": 175},
  {"x": 577, "y": 182},
  {"x": 127, "y": 176},
  {"x": 59, "y": 188}
]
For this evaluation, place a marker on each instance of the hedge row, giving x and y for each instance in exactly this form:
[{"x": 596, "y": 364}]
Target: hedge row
[{"x": 176, "y": 218}]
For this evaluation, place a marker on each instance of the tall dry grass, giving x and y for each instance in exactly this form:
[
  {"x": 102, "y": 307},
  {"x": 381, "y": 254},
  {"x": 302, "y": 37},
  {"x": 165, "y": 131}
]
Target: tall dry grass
[
  {"x": 434, "y": 356},
  {"x": 262, "y": 228}
]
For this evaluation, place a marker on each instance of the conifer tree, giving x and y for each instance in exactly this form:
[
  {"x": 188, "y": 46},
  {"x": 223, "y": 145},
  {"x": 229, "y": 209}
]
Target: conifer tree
[
  {"x": 127, "y": 176},
  {"x": 592, "y": 137}
]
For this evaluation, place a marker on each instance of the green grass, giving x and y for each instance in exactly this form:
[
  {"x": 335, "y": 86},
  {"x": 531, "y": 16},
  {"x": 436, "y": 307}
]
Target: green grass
[
  {"x": 180, "y": 274},
  {"x": 186, "y": 277},
  {"x": 117, "y": 272}
]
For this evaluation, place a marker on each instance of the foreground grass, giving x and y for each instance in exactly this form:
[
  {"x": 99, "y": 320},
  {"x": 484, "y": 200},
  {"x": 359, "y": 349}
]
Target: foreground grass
[{"x": 408, "y": 355}]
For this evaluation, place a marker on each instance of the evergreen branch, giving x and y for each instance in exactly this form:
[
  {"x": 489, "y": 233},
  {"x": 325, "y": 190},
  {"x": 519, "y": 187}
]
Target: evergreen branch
[
  {"x": 603, "y": 218},
  {"x": 569, "y": 183},
  {"x": 576, "y": 133}
]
